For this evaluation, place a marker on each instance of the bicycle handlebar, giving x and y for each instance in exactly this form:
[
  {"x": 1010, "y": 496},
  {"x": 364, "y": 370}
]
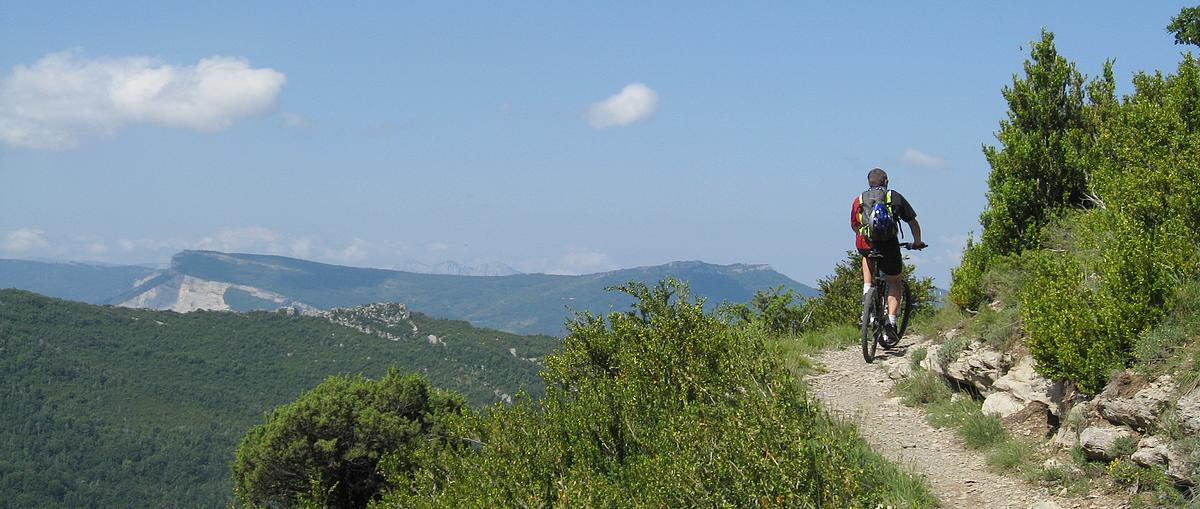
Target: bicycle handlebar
[{"x": 909, "y": 246}]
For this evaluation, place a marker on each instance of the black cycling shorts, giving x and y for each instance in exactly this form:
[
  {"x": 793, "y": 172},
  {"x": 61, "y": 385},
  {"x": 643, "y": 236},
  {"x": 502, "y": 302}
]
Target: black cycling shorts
[{"x": 891, "y": 263}]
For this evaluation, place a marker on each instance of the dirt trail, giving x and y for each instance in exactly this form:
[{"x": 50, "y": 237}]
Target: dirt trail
[{"x": 958, "y": 476}]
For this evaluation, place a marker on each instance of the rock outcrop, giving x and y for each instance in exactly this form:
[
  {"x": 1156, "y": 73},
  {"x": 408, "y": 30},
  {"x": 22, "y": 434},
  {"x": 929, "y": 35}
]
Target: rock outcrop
[
  {"x": 1030, "y": 404},
  {"x": 1134, "y": 402},
  {"x": 977, "y": 366},
  {"x": 1156, "y": 452},
  {"x": 1099, "y": 442},
  {"x": 1189, "y": 411}
]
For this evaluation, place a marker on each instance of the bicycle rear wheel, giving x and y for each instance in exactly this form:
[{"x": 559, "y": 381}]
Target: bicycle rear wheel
[{"x": 869, "y": 324}]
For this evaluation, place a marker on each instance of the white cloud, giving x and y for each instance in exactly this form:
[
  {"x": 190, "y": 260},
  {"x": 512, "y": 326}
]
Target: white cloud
[
  {"x": 913, "y": 157},
  {"x": 23, "y": 240},
  {"x": 635, "y": 103},
  {"x": 63, "y": 97}
]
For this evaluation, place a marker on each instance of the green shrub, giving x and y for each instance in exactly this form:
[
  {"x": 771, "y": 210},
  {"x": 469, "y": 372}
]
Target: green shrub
[
  {"x": 996, "y": 328},
  {"x": 839, "y": 302},
  {"x": 328, "y": 443},
  {"x": 664, "y": 406},
  {"x": 966, "y": 280},
  {"x": 1124, "y": 446},
  {"x": 1061, "y": 325},
  {"x": 1038, "y": 172},
  {"x": 1124, "y": 472},
  {"x": 777, "y": 309},
  {"x": 951, "y": 349}
]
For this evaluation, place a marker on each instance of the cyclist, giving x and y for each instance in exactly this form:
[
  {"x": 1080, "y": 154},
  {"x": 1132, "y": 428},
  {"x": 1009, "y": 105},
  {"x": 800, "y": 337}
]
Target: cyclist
[{"x": 885, "y": 243}]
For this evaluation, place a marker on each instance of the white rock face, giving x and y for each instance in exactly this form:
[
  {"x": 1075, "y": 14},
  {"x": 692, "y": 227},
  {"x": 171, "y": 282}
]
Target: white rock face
[
  {"x": 897, "y": 367},
  {"x": 1189, "y": 411},
  {"x": 196, "y": 294},
  {"x": 1151, "y": 452},
  {"x": 1002, "y": 404},
  {"x": 1023, "y": 383},
  {"x": 981, "y": 367},
  {"x": 1098, "y": 442},
  {"x": 186, "y": 293}
]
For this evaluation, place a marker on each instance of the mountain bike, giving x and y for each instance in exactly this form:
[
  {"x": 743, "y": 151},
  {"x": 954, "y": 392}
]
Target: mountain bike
[{"x": 875, "y": 310}]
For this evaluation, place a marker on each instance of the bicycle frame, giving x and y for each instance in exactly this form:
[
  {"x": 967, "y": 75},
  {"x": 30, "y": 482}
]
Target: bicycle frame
[{"x": 875, "y": 307}]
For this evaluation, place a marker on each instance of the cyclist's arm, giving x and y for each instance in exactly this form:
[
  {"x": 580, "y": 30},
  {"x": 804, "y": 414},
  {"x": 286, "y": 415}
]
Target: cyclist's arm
[{"x": 916, "y": 231}]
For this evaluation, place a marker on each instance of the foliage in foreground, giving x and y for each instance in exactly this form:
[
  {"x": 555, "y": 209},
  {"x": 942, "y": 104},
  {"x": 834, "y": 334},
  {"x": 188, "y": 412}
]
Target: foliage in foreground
[
  {"x": 665, "y": 406},
  {"x": 328, "y": 443}
]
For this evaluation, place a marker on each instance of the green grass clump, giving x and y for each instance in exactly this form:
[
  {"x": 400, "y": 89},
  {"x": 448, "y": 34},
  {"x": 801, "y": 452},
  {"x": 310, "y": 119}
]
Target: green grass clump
[
  {"x": 951, "y": 349},
  {"x": 922, "y": 388},
  {"x": 1124, "y": 446},
  {"x": 950, "y": 413},
  {"x": 980, "y": 430},
  {"x": 1009, "y": 454},
  {"x": 917, "y": 356},
  {"x": 997, "y": 328},
  {"x": 1074, "y": 481}
]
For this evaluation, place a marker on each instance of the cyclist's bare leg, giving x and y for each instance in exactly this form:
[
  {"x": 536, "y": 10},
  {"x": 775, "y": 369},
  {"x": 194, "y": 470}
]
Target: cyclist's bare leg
[
  {"x": 868, "y": 274},
  {"x": 893, "y": 284}
]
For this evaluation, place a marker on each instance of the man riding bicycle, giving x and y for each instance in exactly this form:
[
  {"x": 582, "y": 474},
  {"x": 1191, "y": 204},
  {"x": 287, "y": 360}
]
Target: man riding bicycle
[{"x": 875, "y": 217}]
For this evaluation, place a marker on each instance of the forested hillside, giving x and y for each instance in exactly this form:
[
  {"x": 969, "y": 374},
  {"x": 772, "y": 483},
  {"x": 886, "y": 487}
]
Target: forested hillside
[{"x": 115, "y": 407}]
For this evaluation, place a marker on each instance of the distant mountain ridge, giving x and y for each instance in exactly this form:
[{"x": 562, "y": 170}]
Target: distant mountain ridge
[
  {"x": 456, "y": 268},
  {"x": 521, "y": 303},
  {"x": 86, "y": 282}
]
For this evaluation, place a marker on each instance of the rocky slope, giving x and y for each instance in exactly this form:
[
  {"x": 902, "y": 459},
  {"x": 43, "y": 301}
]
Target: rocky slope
[{"x": 1150, "y": 413}]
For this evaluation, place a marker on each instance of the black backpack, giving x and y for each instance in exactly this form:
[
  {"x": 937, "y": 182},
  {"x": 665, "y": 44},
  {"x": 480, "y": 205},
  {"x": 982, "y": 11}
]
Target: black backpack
[{"x": 877, "y": 221}]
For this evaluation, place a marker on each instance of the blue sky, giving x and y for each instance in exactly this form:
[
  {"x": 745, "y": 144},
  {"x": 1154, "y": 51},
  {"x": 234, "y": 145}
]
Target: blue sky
[{"x": 550, "y": 137}]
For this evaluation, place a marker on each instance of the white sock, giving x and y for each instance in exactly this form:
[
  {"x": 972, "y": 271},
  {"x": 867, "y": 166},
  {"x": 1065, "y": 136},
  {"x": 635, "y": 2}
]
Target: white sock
[
  {"x": 866, "y": 288},
  {"x": 892, "y": 319}
]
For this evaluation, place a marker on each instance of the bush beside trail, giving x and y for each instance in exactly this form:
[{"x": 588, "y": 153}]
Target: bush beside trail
[
  {"x": 1094, "y": 198},
  {"x": 665, "y": 405}
]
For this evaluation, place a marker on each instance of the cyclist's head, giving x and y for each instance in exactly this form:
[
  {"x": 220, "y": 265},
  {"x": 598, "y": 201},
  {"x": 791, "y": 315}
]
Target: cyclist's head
[{"x": 877, "y": 178}]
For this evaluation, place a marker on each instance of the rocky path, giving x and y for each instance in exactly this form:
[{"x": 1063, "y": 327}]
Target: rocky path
[{"x": 959, "y": 477}]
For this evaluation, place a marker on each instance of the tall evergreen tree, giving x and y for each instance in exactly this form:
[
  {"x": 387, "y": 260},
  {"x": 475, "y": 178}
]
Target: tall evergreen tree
[{"x": 1037, "y": 171}]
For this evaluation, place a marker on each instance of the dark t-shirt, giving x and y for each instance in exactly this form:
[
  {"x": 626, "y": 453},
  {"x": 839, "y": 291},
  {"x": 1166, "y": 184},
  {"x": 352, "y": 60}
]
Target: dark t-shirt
[{"x": 900, "y": 207}]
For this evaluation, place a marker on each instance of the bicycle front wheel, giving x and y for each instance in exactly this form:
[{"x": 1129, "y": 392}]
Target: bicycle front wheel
[
  {"x": 905, "y": 309},
  {"x": 869, "y": 324}
]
